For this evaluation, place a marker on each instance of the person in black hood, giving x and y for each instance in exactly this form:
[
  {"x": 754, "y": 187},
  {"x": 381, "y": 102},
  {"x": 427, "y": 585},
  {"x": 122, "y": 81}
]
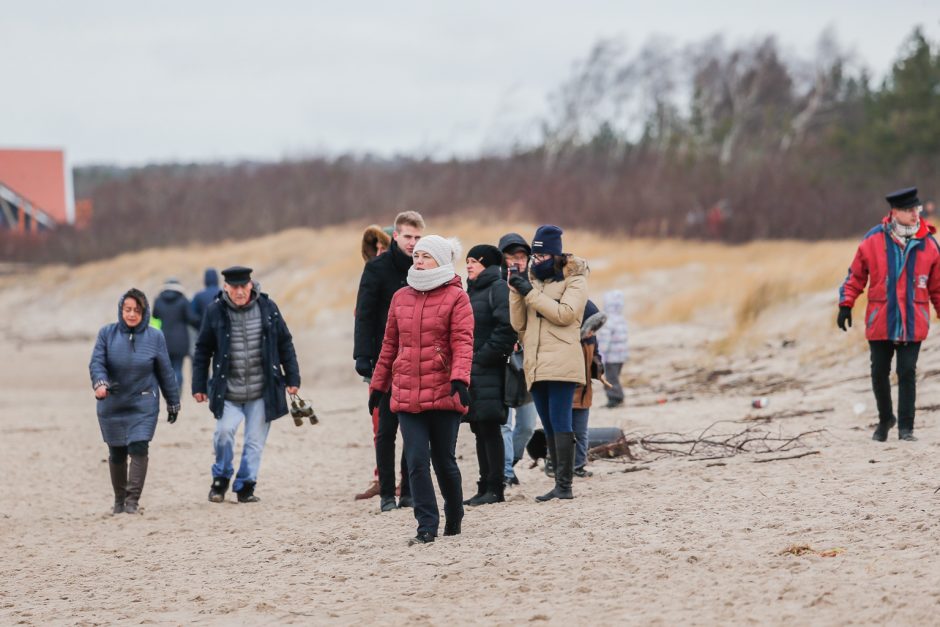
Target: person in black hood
[
  {"x": 173, "y": 310},
  {"x": 381, "y": 278},
  {"x": 202, "y": 299},
  {"x": 493, "y": 339}
]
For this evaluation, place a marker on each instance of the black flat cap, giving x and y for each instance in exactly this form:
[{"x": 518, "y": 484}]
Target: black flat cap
[
  {"x": 237, "y": 275},
  {"x": 903, "y": 198}
]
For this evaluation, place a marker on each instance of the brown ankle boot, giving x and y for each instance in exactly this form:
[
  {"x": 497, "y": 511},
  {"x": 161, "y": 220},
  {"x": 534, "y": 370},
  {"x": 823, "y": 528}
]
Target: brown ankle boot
[{"x": 368, "y": 493}]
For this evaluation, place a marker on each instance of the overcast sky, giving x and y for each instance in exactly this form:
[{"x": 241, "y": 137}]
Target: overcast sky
[{"x": 130, "y": 82}]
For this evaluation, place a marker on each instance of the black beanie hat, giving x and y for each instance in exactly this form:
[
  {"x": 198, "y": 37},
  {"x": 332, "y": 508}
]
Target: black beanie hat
[{"x": 486, "y": 254}]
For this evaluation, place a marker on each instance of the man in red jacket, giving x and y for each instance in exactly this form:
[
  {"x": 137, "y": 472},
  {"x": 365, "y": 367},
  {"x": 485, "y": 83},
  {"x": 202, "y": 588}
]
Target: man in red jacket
[{"x": 900, "y": 261}]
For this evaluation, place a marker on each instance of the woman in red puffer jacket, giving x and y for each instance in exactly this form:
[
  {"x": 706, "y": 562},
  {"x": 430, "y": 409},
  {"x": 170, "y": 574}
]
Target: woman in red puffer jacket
[{"x": 425, "y": 366}]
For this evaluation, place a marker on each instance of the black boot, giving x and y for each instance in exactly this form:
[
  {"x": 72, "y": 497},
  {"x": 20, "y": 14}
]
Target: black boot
[
  {"x": 119, "y": 485},
  {"x": 564, "y": 471},
  {"x": 481, "y": 490},
  {"x": 423, "y": 537},
  {"x": 564, "y": 468},
  {"x": 218, "y": 489},
  {"x": 552, "y": 456},
  {"x": 136, "y": 476},
  {"x": 247, "y": 493},
  {"x": 906, "y": 428},
  {"x": 495, "y": 494},
  {"x": 452, "y": 527},
  {"x": 881, "y": 431}
]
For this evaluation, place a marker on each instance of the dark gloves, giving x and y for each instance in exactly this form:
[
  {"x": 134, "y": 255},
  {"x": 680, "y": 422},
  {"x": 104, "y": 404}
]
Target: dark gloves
[
  {"x": 375, "y": 399},
  {"x": 520, "y": 283},
  {"x": 460, "y": 389},
  {"x": 845, "y": 316},
  {"x": 364, "y": 367},
  {"x": 171, "y": 416}
]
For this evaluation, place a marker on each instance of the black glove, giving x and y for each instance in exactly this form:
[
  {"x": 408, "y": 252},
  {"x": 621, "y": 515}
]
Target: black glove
[
  {"x": 520, "y": 283},
  {"x": 460, "y": 389},
  {"x": 364, "y": 367},
  {"x": 845, "y": 316},
  {"x": 172, "y": 416},
  {"x": 375, "y": 399}
]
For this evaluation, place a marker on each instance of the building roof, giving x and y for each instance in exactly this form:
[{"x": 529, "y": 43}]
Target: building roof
[{"x": 40, "y": 176}]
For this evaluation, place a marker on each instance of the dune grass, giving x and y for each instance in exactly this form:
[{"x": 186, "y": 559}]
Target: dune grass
[{"x": 748, "y": 291}]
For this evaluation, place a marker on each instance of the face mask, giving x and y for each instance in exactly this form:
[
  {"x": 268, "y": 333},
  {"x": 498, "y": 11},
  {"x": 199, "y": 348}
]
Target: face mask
[{"x": 544, "y": 270}]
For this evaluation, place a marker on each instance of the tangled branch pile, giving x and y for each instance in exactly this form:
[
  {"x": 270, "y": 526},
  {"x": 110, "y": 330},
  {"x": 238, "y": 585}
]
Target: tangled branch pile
[{"x": 710, "y": 443}]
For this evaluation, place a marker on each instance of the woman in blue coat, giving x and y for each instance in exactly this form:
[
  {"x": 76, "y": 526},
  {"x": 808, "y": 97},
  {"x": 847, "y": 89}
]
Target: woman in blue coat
[{"x": 128, "y": 364}]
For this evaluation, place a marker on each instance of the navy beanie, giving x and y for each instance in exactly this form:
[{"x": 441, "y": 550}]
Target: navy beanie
[
  {"x": 547, "y": 240},
  {"x": 486, "y": 254}
]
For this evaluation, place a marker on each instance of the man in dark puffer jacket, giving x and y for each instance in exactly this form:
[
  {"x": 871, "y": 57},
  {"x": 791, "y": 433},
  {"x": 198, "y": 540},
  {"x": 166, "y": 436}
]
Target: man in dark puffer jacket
[{"x": 253, "y": 364}]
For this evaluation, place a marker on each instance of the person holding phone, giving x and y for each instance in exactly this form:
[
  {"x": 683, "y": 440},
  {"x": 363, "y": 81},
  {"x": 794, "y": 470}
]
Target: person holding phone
[{"x": 546, "y": 308}]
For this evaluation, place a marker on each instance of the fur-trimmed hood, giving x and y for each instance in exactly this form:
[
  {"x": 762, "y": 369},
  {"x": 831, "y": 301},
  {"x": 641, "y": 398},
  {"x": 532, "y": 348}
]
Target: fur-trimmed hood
[{"x": 371, "y": 238}]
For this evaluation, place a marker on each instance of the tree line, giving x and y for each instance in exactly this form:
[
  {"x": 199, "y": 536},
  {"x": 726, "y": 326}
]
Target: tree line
[{"x": 709, "y": 140}]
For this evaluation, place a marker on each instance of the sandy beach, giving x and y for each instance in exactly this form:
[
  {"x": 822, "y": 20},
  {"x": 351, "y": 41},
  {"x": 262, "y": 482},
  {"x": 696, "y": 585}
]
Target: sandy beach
[{"x": 845, "y": 535}]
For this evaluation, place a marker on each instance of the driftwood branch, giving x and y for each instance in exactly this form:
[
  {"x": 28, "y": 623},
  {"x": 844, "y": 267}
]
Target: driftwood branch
[
  {"x": 776, "y": 459},
  {"x": 706, "y": 445}
]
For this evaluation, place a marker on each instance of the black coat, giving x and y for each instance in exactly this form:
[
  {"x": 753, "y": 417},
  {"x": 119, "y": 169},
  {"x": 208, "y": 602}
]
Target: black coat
[
  {"x": 277, "y": 357},
  {"x": 381, "y": 278},
  {"x": 175, "y": 314},
  {"x": 493, "y": 340}
]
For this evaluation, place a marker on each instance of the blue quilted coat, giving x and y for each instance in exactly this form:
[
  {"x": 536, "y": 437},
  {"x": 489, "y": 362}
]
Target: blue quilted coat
[{"x": 133, "y": 363}]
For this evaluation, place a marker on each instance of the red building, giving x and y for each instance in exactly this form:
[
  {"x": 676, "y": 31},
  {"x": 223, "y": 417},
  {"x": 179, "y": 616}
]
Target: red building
[{"x": 35, "y": 190}]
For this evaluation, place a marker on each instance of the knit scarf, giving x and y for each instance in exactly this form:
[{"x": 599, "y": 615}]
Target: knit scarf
[
  {"x": 427, "y": 280},
  {"x": 902, "y": 233}
]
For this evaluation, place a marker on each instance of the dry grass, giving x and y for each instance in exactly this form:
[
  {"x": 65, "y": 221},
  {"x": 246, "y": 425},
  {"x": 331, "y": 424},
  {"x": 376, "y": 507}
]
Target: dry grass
[{"x": 748, "y": 292}]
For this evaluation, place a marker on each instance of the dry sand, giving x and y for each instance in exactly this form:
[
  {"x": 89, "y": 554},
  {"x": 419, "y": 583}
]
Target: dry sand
[{"x": 683, "y": 542}]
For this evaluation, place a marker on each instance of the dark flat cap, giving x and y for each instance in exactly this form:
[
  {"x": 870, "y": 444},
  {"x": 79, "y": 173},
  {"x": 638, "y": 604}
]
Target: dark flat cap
[
  {"x": 237, "y": 275},
  {"x": 903, "y": 198}
]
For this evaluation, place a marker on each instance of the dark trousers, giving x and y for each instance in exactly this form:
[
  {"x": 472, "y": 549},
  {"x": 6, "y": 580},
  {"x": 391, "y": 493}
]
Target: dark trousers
[
  {"x": 881, "y": 353},
  {"x": 491, "y": 453},
  {"x": 385, "y": 452},
  {"x": 431, "y": 437},
  {"x": 553, "y": 401},
  {"x": 118, "y": 454}
]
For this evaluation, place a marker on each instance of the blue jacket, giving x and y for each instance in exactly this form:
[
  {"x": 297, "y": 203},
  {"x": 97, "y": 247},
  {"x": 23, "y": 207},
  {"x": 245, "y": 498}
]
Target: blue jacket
[
  {"x": 133, "y": 363},
  {"x": 202, "y": 300},
  {"x": 279, "y": 359}
]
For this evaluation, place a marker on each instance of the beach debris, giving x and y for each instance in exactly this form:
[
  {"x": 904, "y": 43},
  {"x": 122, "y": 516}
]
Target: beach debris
[
  {"x": 760, "y": 403},
  {"x": 796, "y": 413},
  {"x": 777, "y": 459},
  {"x": 706, "y": 445},
  {"x": 805, "y": 549},
  {"x": 858, "y": 408}
]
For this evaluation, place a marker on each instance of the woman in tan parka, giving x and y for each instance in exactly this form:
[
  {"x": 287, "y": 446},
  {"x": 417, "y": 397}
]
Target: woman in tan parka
[{"x": 546, "y": 309}]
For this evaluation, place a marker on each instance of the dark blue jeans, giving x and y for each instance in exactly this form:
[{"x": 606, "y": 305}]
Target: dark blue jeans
[
  {"x": 553, "y": 400},
  {"x": 431, "y": 437}
]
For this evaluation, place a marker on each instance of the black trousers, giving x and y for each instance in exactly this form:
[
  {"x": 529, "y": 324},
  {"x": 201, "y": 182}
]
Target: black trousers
[
  {"x": 882, "y": 352},
  {"x": 385, "y": 452},
  {"x": 431, "y": 437},
  {"x": 491, "y": 452},
  {"x": 118, "y": 454}
]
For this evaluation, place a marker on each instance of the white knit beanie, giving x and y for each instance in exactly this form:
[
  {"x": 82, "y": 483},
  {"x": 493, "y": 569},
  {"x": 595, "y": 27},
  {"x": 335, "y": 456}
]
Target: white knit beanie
[{"x": 444, "y": 251}]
